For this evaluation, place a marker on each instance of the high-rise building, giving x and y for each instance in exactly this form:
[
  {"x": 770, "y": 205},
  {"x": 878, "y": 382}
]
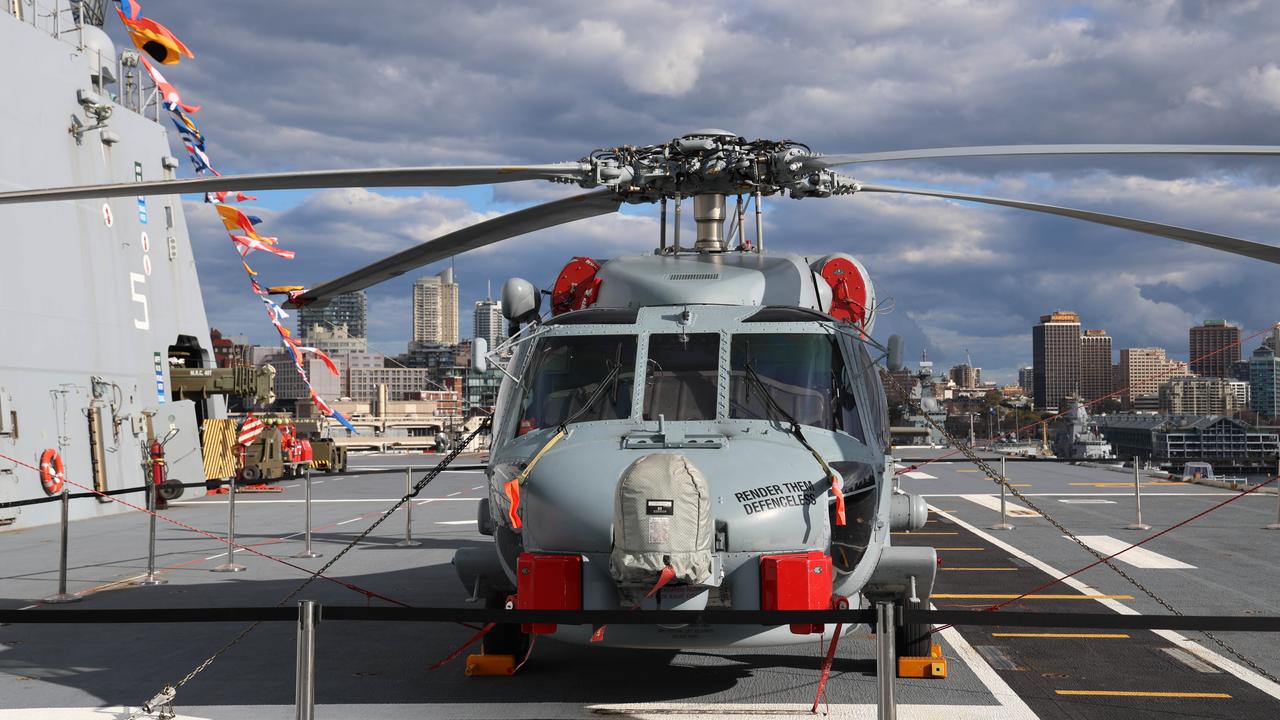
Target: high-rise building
[
  {"x": 1197, "y": 396},
  {"x": 488, "y": 322},
  {"x": 1215, "y": 348},
  {"x": 345, "y": 318},
  {"x": 1095, "y": 365},
  {"x": 1142, "y": 370},
  {"x": 1055, "y": 357},
  {"x": 435, "y": 309},
  {"x": 1240, "y": 388},
  {"x": 1264, "y": 382},
  {"x": 965, "y": 376},
  {"x": 1026, "y": 379}
]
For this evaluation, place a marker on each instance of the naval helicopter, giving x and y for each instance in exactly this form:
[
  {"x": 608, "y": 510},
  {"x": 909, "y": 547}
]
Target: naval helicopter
[{"x": 700, "y": 426}]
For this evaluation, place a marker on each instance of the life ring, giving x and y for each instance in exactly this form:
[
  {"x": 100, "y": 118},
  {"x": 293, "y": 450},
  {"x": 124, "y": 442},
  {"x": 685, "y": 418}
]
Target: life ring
[{"x": 52, "y": 472}]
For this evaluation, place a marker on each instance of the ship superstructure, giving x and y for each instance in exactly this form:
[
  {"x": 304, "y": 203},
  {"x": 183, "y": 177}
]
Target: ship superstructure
[{"x": 98, "y": 298}]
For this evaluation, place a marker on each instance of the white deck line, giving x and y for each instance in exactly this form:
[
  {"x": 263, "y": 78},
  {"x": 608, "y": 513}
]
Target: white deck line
[
  {"x": 1137, "y": 557},
  {"x": 1176, "y": 638},
  {"x": 917, "y": 475},
  {"x": 1145, "y": 495},
  {"x": 992, "y": 502}
]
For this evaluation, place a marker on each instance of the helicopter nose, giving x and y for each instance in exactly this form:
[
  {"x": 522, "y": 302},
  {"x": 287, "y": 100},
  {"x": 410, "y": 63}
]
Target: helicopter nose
[{"x": 662, "y": 525}]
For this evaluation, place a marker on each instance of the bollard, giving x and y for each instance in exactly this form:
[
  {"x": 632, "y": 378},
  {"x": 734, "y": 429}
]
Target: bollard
[
  {"x": 305, "y": 681},
  {"x": 307, "y": 552},
  {"x": 63, "y": 596},
  {"x": 1276, "y": 525},
  {"x": 230, "y": 565},
  {"x": 1004, "y": 487},
  {"x": 408, "y": 540},
  {"x": 886, "y": 668},
  {"x": 1137, "y": 499},
  {"x": 151, "y": 578}
]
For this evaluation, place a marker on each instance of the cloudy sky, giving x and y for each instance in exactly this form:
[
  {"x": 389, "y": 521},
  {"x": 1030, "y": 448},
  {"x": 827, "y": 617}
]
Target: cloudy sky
[{"x": 311, "y": 84}]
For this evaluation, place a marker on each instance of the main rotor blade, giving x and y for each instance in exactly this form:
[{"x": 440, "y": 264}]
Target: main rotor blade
[
  {"x": 314, "y": 179},
  {"x": 538, "y": 217},
  {"x": 1225, "y": 243},
  {"x": 826, "y": 161}
]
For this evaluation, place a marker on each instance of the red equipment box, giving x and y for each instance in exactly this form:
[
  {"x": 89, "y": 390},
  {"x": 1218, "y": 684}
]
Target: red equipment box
[
  {"x": 548, "y": 582},
  {"x": 799, "y": 581}
]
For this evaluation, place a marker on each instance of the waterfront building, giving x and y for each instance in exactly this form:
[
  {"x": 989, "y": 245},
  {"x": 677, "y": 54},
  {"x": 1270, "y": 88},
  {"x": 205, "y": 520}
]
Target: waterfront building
[
  {"x": 1198, "y": 396},
  {"x": 1264, "y": 382}
]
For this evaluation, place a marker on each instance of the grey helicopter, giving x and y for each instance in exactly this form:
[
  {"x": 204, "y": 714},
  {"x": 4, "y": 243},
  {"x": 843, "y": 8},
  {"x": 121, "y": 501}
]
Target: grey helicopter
[{"x": 700, "y": 426}]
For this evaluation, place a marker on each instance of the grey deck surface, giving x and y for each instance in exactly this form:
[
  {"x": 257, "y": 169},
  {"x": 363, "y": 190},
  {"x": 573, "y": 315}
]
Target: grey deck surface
[{"x": 380, "y": 669}]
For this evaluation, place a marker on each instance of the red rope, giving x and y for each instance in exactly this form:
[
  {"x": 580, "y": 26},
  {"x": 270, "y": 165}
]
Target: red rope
[
  {"x": 248, "y": 548},
  {"x": 1140, "y": 543}
]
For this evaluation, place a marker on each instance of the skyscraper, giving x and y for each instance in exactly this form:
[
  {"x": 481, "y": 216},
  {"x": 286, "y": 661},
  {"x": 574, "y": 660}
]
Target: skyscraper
[
  {"x": 1095, "y": 365},
  {"x": 1055, "y": 357},
  {"x": 488, "y": 322},
  {"x": 1142, "y": 370},
  {"x": 435, "y": 309},
  {"x": 1215, "y": 348},
  {"x": 345, "y": 319},
  {"x": 1027, "y": 379},
  {"x": 1264, "y": 382}
]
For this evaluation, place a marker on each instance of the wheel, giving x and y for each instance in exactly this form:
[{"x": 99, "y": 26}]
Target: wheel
[
  {"x": 914, "y": 639},
  {"x": 170, "y": 490},
  {"x": 504, "y": 638},
  {"x": 250, "y": 474}
]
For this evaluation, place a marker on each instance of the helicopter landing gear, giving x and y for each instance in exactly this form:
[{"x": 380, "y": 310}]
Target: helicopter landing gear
[
  {"x": 917, "y": 654},
  {"x": 502, "y": 648}
]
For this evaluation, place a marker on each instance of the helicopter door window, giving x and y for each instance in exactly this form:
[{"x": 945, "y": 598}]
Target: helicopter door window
[
  {"x": 578, "y": 378},
  {"x": 681, "y": 377},
  {"x": 803, "y": 374}
]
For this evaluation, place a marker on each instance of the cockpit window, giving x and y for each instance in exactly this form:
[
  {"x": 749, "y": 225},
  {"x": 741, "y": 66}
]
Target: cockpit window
[
  {"x": 803, "y": 374},
  {"x": 681, "y": 376},
  {"x": 578, "y": 378}
]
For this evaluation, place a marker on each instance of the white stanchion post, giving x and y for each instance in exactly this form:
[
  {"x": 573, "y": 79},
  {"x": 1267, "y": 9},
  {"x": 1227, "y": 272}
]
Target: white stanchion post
[
  {"x": 886, "y": 666},
  {"x": 230, "y": 565},
  {"x": 307, "y": 552},
  {"x": 151, "y": 578},
  {"x": 1004, "y": 511},
  {"x": 63, "y": 596},
  {"x": 305, "y": 681},
  {"x": 408, "y": 540},
  {"x": 1276, "y": 485},
  {"x": 1137, "y": 524}
]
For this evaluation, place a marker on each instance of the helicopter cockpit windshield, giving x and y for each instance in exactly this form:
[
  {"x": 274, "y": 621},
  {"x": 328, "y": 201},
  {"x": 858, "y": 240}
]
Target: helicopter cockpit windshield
[
  {"x": 578, "y": 378},
  {"x": 803, "y": 374}
]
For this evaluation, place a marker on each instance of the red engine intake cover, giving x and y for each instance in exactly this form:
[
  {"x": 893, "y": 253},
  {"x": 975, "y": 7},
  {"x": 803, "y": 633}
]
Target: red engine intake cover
[
  {"x": 800, "y": 581},
  {"x": 548, "y": 582},
  {"x": 848, "y": 290},
  {"x": 577, "y": 287}
]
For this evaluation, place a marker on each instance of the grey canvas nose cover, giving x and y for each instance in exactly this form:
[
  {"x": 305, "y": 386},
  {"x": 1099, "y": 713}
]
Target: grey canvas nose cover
[{"x": 662, "y": 515}]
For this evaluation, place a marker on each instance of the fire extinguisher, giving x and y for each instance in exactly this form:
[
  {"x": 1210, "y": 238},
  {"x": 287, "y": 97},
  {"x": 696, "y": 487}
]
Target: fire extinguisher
[{"x": 158, "y": 472}]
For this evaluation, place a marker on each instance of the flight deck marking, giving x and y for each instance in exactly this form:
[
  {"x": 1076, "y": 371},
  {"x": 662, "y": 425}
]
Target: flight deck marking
[
  {"x": 974, "y": 569},
  {"x": 456, "y": 522},
  {"x": 1190, "y": 660},
  {"x": 1137, "y": 557},
  {"x": 1145, "y": 694},
  {"x": 981, "y": 596},
  {"x": 917, "y": 475},
  {"x": 355, "y": 519},
  {"x": 991, "y": 502},
  {"x": 959, "y": 549},
  {"x": 1178, "y": 639},
  {"x": 1086, "y": 636}
]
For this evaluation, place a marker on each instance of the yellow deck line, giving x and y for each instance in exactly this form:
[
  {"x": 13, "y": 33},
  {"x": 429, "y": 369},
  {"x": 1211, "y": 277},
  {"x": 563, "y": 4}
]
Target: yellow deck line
[
  {"x": 926, "y": 533},
  {"x": 1002, "y": 569},
  {"x": 1145, "y": 693},
  {"x": 941, "y": 549},
  {"x": 1063, "y": 635},
  {"x": 968, "y": 596}
]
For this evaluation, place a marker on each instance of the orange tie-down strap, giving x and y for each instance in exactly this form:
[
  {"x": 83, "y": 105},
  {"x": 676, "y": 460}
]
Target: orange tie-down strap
[
  {"x": 512, "y": 486},
  {"x": 837, "y": 486}
]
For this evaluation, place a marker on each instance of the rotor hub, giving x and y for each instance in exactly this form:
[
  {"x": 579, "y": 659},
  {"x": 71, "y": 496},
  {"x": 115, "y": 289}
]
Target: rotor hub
[{"x": 711, "y": 162}]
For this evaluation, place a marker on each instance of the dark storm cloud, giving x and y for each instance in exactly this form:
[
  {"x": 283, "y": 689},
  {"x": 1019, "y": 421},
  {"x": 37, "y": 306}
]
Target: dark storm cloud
[{"x": 326, "y": 84}]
